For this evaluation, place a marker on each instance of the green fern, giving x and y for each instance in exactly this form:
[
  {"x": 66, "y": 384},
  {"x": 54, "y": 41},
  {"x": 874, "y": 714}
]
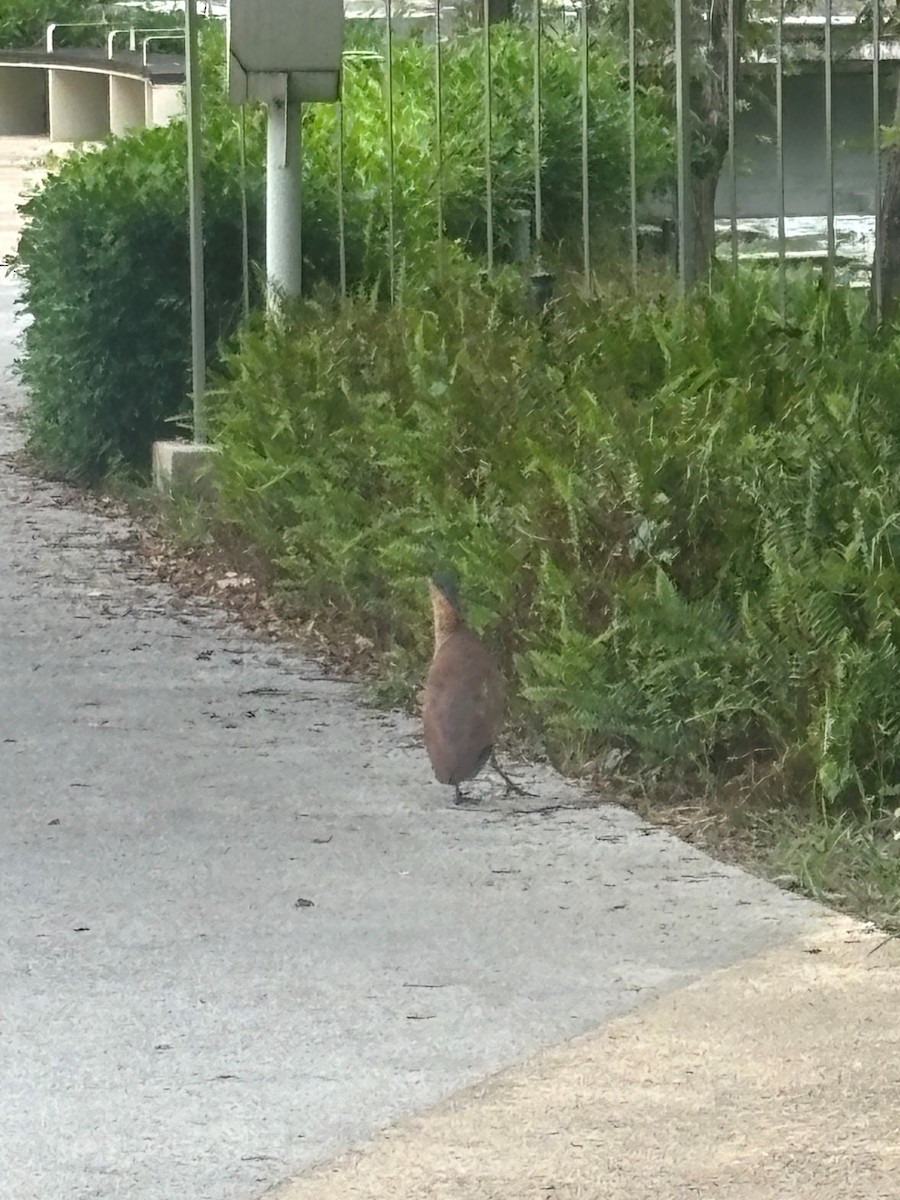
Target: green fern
[{"x": 678, "y": 522}]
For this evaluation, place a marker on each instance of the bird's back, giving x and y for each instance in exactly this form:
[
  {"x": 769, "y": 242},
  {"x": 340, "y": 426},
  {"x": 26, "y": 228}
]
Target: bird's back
[{"x": 463, "y": 707}]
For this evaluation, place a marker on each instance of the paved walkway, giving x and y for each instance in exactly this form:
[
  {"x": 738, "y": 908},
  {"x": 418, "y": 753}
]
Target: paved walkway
[
  {"x": 775, "y": 1079},
  {"x": 243, "y": 930}
]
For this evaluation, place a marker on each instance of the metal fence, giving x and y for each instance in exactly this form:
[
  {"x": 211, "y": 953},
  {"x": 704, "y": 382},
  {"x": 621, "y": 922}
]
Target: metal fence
[{"x": 801, "y": 175}]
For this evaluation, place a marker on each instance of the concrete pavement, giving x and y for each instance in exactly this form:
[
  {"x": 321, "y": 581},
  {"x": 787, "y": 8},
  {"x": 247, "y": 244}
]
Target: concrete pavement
[
  {"x": 774, "y": 1079},
  {"x": 243, "y": 929}
]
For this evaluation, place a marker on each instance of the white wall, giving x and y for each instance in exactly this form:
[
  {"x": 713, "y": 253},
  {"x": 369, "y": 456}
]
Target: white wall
[
  {"x": 164, "y": 101},
  {"x": 79, "y": 105},
  {"x": 805, "y": 174},
  {"x": 126, "y": 104}
]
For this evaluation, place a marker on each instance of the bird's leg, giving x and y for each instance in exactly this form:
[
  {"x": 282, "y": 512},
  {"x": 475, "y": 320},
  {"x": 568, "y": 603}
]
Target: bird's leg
[
  {"x": 511, "y": 785},
  {"x": 457, "y": 795}
]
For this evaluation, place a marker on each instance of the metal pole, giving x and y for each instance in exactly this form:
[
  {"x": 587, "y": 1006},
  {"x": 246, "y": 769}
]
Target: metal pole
[
  {"x": 195, "y": 223},
  {"x": 439, "y": 119},
  {"x": 536, "y": 93},
  {"x": 284, "y": 249},
  {"x": 389, "y": 51},
  {"x": 488, "y": 121},
  {"x": 245, "y": 224},
  {"x": 876, "y": 152},
  {"x": 632, "y": 140},
  {"x": 683, "y": 123},
  {"x": 157, "y": 37},
  {"x": 585, "y": 146},
  {"x": 342, "y": 218},
  {"x": 829, "y": 136},
  {"x": 779, "y": 144},
  {"x": 732, "y": 122}
]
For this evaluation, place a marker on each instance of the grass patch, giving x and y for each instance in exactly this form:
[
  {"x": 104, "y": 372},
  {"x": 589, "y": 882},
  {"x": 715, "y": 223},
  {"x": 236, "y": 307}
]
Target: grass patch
[{"x": 847, "y": 861}]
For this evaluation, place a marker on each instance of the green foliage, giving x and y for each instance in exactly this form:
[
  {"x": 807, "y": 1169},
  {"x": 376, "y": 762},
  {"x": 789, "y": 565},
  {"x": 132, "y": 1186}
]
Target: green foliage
[
  {"x": 851, "y": 863},
  {"x": 677, "y": 521},
  {"x": 103, "y": 260},
  {"x": 454, "y": 170},
  {"x": 23, "y": 22}
]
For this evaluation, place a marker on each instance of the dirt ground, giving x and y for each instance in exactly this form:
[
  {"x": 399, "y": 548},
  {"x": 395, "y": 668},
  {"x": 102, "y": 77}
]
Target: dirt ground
[{"x": 776, "y": 1079}]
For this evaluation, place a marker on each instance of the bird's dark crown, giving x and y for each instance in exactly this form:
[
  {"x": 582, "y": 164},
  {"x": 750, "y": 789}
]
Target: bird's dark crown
[{"x": 446, "y": 584}]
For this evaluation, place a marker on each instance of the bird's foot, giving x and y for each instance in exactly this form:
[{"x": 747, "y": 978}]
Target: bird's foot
[
  {"x": 460, "y": 797},
  {"x": 511, "y": 785}
]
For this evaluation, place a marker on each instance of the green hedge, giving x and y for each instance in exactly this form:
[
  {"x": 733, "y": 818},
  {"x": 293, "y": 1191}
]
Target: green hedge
[
  {"x": 678, "y": 521},
  {"x": 104, "y": 266}
]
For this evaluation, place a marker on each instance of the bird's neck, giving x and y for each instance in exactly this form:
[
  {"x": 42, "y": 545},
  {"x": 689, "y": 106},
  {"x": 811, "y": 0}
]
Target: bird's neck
[{"x": 446, "y": 619}]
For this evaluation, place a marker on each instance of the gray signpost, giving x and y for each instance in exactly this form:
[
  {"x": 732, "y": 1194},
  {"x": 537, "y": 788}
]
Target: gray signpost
[{"x": 284, "y": 53}]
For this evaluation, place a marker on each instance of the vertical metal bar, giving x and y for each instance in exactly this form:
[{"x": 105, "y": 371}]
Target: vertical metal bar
[
  {"x": 779, "y": 144},
  {"x": 538, "y": 152},
  {"x": 684, "y": 142},
  {"x": 829, "y": 135},
  {"x": 342, "y": 216},
  {"x": 245, "y": 223},
  {"x": 585, "y": 146},
  {"x": 439, "y": 119},
  {"x": 632, "y": 140},
  {"x": 876, "y": 153},
  {"x": 195, "y": 219},
  {"x": 488, "y": 138},
  {"x": 732, "y": 124},
  {"x": 389, "y": 50}
]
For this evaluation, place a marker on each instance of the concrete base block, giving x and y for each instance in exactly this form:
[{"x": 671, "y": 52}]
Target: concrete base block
[{"x": 181, "y": 468}]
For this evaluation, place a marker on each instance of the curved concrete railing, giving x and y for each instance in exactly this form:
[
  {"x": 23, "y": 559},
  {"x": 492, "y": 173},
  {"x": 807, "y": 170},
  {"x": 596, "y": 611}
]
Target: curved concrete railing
[{"x": 82, "y": 95}]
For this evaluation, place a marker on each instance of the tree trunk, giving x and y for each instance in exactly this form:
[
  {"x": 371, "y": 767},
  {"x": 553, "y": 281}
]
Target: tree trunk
[
  {"x": 703, "y": 214},
  {"x": 709, "y": 104},
  {"x": 887, "y": 250},
  {"x": 498, "y": 10}
]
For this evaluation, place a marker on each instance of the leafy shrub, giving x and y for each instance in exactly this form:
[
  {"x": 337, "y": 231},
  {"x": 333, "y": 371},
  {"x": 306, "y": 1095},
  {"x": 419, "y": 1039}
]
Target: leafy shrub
[
  {"x": 678, "y": 522},
  {"x": 455, "y": 168},
  {"x": 104, "y": 263},
  {"x": 104, "y": 257},
  {"x": 23, "y": 22}
]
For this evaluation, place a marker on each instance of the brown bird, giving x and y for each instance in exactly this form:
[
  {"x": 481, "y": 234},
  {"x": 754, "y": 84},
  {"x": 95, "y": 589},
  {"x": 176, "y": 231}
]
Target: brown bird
[{"x": 463, "y": 707}]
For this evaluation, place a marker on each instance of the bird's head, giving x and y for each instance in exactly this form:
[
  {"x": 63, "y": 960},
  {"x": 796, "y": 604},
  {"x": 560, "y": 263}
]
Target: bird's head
[
  {"x": 445, "y": 604},
  {"x": 445, "y": 583}
]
